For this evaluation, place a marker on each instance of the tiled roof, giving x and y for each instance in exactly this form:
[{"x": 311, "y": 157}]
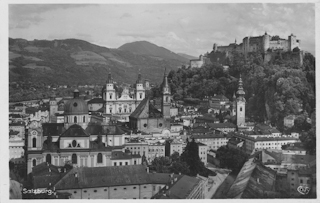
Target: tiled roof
[
  {"x": 43, "y": 169},
  {"x": 94, "y": 129},
  {"x": 183, "y": 187},
  {"x": 75, "y": 131},
  {"x": 146, "y": 110},
  {"x": 43, "y": 181},
  {"x": 96, "y": 101},
  {"x": 222, "y": 125},
  {"x": 53, "y": 129},
  {"x": 160, "y": 178},
  {"x": 209, "y": 135},
  {"x": 253, "y": 181},
  {"x": 206, "y": 118},
  {"x": 89, "y": 177}
]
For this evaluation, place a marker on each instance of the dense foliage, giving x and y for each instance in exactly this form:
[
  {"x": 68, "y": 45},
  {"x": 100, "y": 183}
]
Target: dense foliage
[{"x": 231, "y": 158}]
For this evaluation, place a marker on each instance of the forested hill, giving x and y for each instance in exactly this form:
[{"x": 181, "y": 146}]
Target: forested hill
[
  {"x": 73, "y": 61},
  {"x": 273, "y": 90}
]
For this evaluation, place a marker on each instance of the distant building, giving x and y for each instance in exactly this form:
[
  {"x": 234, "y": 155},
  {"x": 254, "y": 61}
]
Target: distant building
[
  {"x": 96, "y": 104},
  {"x": 262, "y": 43},
  {"x": 211, "y": 139},
  {"x": 288, "y": 121},
  {"x": 203, "y": 151},
  {"x": 223, "y": 127},
  {"x": 198, "y": 63}
]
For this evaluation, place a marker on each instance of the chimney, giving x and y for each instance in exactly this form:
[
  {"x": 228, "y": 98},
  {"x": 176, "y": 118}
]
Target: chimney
[{"x": 147, "y": 169}]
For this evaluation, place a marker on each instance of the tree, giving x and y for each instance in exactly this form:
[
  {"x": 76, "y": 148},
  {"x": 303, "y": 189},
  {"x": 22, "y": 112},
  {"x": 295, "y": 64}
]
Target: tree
[
  {"x": 192, "y": 159},
  {"x": 231, "y": 158}
]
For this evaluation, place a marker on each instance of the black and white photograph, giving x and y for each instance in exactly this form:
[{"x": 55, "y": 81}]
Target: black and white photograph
[{"x": 159, "y": 100}]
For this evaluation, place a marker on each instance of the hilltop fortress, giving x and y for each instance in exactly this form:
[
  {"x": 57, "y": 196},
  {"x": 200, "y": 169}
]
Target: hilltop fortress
[{"x": 262, "y": 43}]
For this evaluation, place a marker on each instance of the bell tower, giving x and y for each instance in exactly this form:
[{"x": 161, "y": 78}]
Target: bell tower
[
  {"x": 140, "y": 91},
  {"x": 166, "y": 97},
  {"x": 241, "y": 104},
  {"x": 110, "y": 95},
  {"x": 53, "y": 108}
]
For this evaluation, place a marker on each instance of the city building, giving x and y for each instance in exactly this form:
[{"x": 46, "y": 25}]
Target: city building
[
  {"x": 241, "y": 105},
  {"x": 223, "y": 127},
  {"x": 212, "y": 140},
  {"x": 116, "y": 182},
  {"x": 253, "y": 141},
  {"x": 183, "y": 187},
  {"x": 202, "y": 150}
]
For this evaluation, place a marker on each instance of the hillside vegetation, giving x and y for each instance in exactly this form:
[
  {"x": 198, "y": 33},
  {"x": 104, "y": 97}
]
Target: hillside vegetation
[{"x": 38, "y": 63}]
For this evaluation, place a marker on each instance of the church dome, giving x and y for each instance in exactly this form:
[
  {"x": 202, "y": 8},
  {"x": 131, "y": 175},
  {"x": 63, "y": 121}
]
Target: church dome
[{"x": 76, "y": 106}]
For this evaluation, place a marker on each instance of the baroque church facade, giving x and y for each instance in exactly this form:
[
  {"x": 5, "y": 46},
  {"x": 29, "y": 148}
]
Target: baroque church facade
[{"x": 122, "y": 104}]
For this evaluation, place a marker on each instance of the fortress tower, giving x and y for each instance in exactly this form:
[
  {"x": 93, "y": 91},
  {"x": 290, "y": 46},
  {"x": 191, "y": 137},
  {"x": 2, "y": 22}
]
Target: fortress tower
[{"x": 265, "y": 42}]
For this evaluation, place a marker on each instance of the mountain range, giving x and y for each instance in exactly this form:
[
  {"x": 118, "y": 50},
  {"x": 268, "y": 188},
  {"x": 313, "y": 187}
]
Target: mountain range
[{"x": 74, "y": 61}]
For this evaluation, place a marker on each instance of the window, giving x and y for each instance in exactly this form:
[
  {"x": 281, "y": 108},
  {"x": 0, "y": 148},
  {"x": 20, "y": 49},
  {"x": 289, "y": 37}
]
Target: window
[
  {"x": 154, "y": 188},
  {"x": 74, "y": 159},
  {"x": 166, "y": 99},
  {"x": 75, "y": 192},
  {"x": 135, "y": 162},
  {"x": 85, "y": 191},
  {"x": 134, "y": 187},
  {"x": 301, "y": 181},
  {"x": 34, "y": 142},
  {"x": 95, "y": 191},
  {"x": 140, "y": 95},
  {"x": 74, "y": 143},
  {"x": 240, "y": 108},
  {"x": 115, "y": 163},
  {"x": 126, "y": 163},
  {"x": 115, "y": 189},
  {"x": 84, "y": 119},
  {"x": 110, "y": 110},
  {"x": 124, "y": 188},
  {"x": 34, "y": 162},
  {"x": 99, "y": 158},
  {"x": 145, "y": 125},
  {"x": 110, "y": 95},
  {"x": 144, "y": 186},
  {"x": 48, "y": 158},
  {"x": 75, "y": 119},
  {"x": 160, "y": 124},
  {"x": 105, "y": 190},
  {"x": 120, "y": 163}
]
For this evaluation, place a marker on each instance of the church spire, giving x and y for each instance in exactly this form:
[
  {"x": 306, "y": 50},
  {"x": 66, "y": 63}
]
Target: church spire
[
  {"x": 109, "y": 80},
  {"x": 240, "y": 91},
  {"x": 165, "y": 84},
  {"x": 139, "y": 81}
]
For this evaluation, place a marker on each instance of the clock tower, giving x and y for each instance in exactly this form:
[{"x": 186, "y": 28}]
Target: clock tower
[{"x": 241, "y": 104}]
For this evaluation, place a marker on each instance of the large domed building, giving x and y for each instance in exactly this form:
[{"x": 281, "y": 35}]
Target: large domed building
[{"x": 76, "y": 112}]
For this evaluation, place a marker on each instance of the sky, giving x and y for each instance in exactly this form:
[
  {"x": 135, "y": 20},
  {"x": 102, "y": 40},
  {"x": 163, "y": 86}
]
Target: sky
[{"x": 182, "y": 28}]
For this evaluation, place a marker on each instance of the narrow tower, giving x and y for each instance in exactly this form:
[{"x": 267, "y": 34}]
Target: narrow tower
[
  {"x": 166, "y": 97},
  {"x": 110, "y": 95},
  {"x": 241, "y": 104},
  {"x": 53, "y": 108},
  {"x": 140, "y": 91},
  {"x": 234, "y": 105}
]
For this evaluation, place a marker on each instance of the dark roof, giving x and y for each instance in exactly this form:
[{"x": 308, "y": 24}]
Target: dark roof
[
  {"x": 43, "y": 181},
  {"x": 205, "y": 118},
  {"x": 146, "y": 110},
  {"x": 183, "y": 187},
  {"x": 299, "y": 146},
  {"x": 96, "y": 101},
  {"x": 94, "y": 129},
  {"x": 17, "y": 124},
  {"x": 89, "y": 177},
  {"x": 209, "y": 135},
  {"x": 53, "y": 129},
  {"x": 220, "y": 98},
  {"x": 75, "y": 131},
  {"x": 43, "y": 169},
  {"x": 161, "y": 178},
  {"x": 11, "y": 132},
  {"x": 234, "y": 141},
  {"x": 222, "y": 125},
  {"x": 75, "y": 106}
]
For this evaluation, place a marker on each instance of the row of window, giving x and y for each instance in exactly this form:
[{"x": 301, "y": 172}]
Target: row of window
[{"x": 75, "y": 119}]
